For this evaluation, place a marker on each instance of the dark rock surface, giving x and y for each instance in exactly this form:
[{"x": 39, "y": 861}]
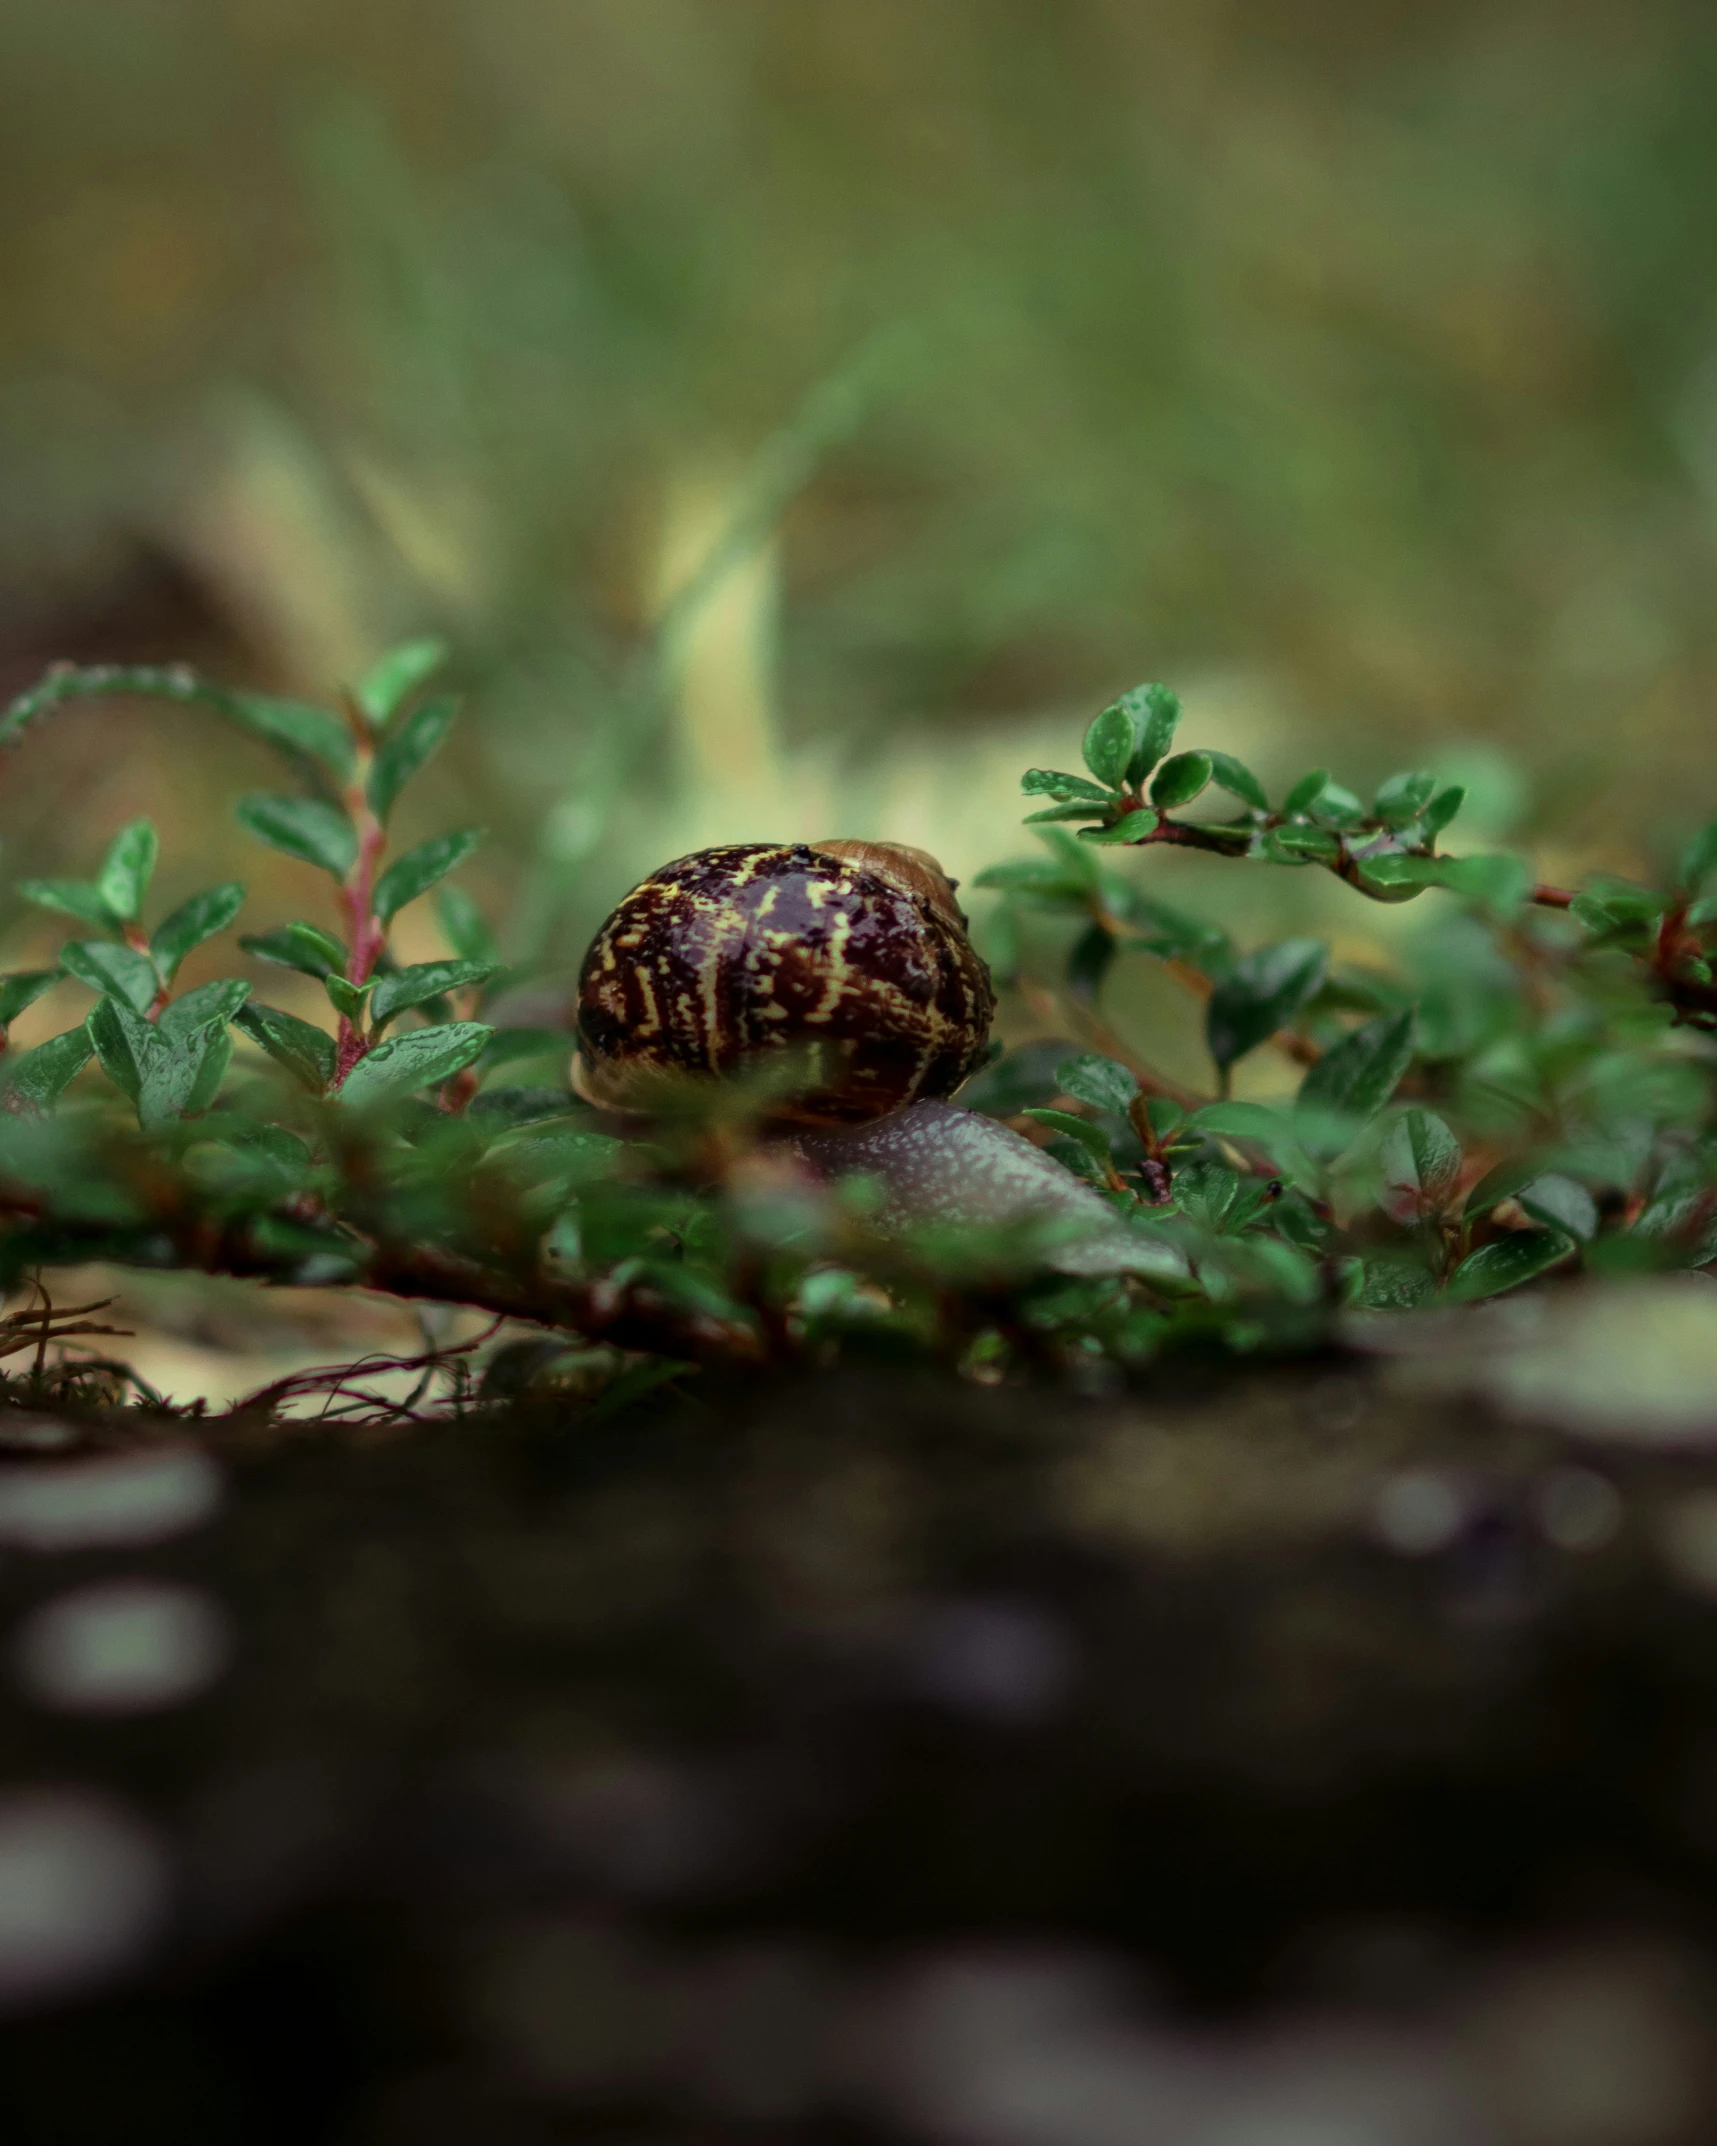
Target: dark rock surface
[{"x": 865, "y": 1758}]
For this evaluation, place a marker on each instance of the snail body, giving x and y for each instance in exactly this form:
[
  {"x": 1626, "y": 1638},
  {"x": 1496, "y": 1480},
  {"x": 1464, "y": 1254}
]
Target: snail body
[
  {"x": 853, "y": 955},
  {"x": 939, "y": 1164}
]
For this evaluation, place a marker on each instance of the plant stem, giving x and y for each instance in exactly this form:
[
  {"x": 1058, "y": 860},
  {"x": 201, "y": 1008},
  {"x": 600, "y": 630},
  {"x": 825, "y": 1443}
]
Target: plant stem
[{"x": 366, "y": 934}]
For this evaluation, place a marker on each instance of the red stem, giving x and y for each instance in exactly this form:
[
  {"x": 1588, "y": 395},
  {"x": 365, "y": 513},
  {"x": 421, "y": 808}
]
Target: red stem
[
  {"x": 365, "y": 931},
  {"x": 138, "y": 940}
]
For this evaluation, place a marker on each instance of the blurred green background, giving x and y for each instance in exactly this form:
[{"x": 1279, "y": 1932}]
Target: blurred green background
[{"x": 802, "y": 414}]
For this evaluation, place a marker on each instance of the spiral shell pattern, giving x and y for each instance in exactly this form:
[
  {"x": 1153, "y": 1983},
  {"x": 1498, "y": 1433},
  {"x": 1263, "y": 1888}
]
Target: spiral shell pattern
[{"x": 730, "y": 954}]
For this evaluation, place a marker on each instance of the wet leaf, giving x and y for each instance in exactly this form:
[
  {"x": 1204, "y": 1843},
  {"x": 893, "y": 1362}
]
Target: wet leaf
[
  {"x": 421, "y": 1059},
  {"x": 303, "y": 827},
  {"x": 194, "y": 921},
  {"x": 1505, "y": 1263},
  {"x": 1261, "y": 994},
  {"x": 419, "y": 869}
]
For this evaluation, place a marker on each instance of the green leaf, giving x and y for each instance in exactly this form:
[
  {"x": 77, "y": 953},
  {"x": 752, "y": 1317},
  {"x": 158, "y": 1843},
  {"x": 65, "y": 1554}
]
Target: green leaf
[
  {"x": 304, "y": 1051},
  {"x": 423, "y": 1058},
  {"x": 1499, "y": 884},
  {"x": 1047, "y": 782},
  {"x": 1396, "y": 869},
  {"x": 1240, "y": 1121},
  {"x": 107, "y": 968},
  {"x": 1385, "y": 1284},
  {"x": 165, "y": 1071},
  {"x": 1083, "y": 810},
  {"x": 1422, "y": 1159},
  {"x": 1156, "y": 713},
  {"x": 1562, "y": 1202},
  {"x": 1173, "y": 934},
  {"x": 295, "y": 726},
  {"x": 391, "y": 681},
  {"x": 407, "y": 751},
  {"x": 1624, "y": 898},
  {"x": 1608, "y": 922},
  {"x": 217, "y": 1057},
  {"x": 1059, "y": 881},
  {"x": 210, "y": 1005},
  {"x": 1208, "y": 1191},
  {"x": 1261, "y": 994},
  {"x": 304, "y": 947},
  {"x": 507, "y": 1107},
  {"x": 175, "y": 1070},
  {"x": 70, "y": 897},
  {"x": 121, "y": 1038},
  {"x": 1135, "y": 827},
  {"x": 1179, "y": 780},
  {"x": 512, "y": 1046},
  {"x": 465, "y": 927},
  {"x": 1403, "y": 797},
  {"x": 1092, "y": 1138},
  {"x": 1109, "y": 743},
  {"x": 259, "y": 1156},
  {"x": 1237, "y": 779},
  {"x": 1361, "y": 1073},
  {"x": 1301, "y": 845},
  {"x": 1441, "y": 810},
  {"x": 1505, "y": 1263},
  {"x": 195, "y": 920},
  {"x": 127, "y": 869},
  {"x": 1499, "y": 1184},
  {"x": 303, "y": 827},
  {"x": 1306, "y": 792},
  {"x": 424, "y": 980},
  {"x": 22, "y": 988},
  {"x": 419, "y": 869},
  {"x": 1102, "y": 1082},
  {"x": 1089, "y": 962},
  {"x": 1336, "y": 806},
  {"x": 348, "y": 999},
  {"x": 38, "y": 1078},
  {"x": 1698, "y": 859}
]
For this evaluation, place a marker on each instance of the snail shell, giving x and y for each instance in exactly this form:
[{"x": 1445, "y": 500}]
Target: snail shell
[{"x": 853, "y": 954}]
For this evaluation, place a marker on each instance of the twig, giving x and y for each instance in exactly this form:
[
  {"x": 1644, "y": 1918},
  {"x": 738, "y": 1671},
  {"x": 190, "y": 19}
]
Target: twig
[{"x": 338, "y": 1378}]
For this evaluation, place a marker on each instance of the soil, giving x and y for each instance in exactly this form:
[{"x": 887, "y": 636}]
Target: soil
[{"x": 807, "y": 1761}]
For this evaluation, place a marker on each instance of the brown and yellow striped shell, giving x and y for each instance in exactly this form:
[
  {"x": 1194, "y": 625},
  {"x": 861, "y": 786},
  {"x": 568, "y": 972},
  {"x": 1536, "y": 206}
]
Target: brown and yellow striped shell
[{"x": 853, "y": 954}]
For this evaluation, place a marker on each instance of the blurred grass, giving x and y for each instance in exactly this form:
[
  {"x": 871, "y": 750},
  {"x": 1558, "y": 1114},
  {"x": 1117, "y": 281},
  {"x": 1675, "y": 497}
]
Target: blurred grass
[{"x": 801, "y": 415}]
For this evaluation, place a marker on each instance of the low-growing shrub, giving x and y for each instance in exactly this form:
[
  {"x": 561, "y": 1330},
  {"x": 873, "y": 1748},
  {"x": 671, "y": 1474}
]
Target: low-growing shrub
[{"x": 1530, "y": 1095}]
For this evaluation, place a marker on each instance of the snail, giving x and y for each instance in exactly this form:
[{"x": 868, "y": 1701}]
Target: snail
[
  {"x": 937, "y": 1163},
  {"x": 855, "y": 956},
  {"x": 852, "y": 954}
]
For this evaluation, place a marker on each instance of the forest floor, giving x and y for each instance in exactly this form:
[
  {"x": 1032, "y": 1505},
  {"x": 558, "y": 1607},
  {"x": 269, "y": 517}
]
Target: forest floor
[{"x": 1299, "y": 1753}]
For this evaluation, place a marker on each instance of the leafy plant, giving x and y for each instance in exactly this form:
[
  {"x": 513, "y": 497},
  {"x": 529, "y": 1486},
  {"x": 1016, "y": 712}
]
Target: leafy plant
[{"x": 1532, "y": 1094}]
